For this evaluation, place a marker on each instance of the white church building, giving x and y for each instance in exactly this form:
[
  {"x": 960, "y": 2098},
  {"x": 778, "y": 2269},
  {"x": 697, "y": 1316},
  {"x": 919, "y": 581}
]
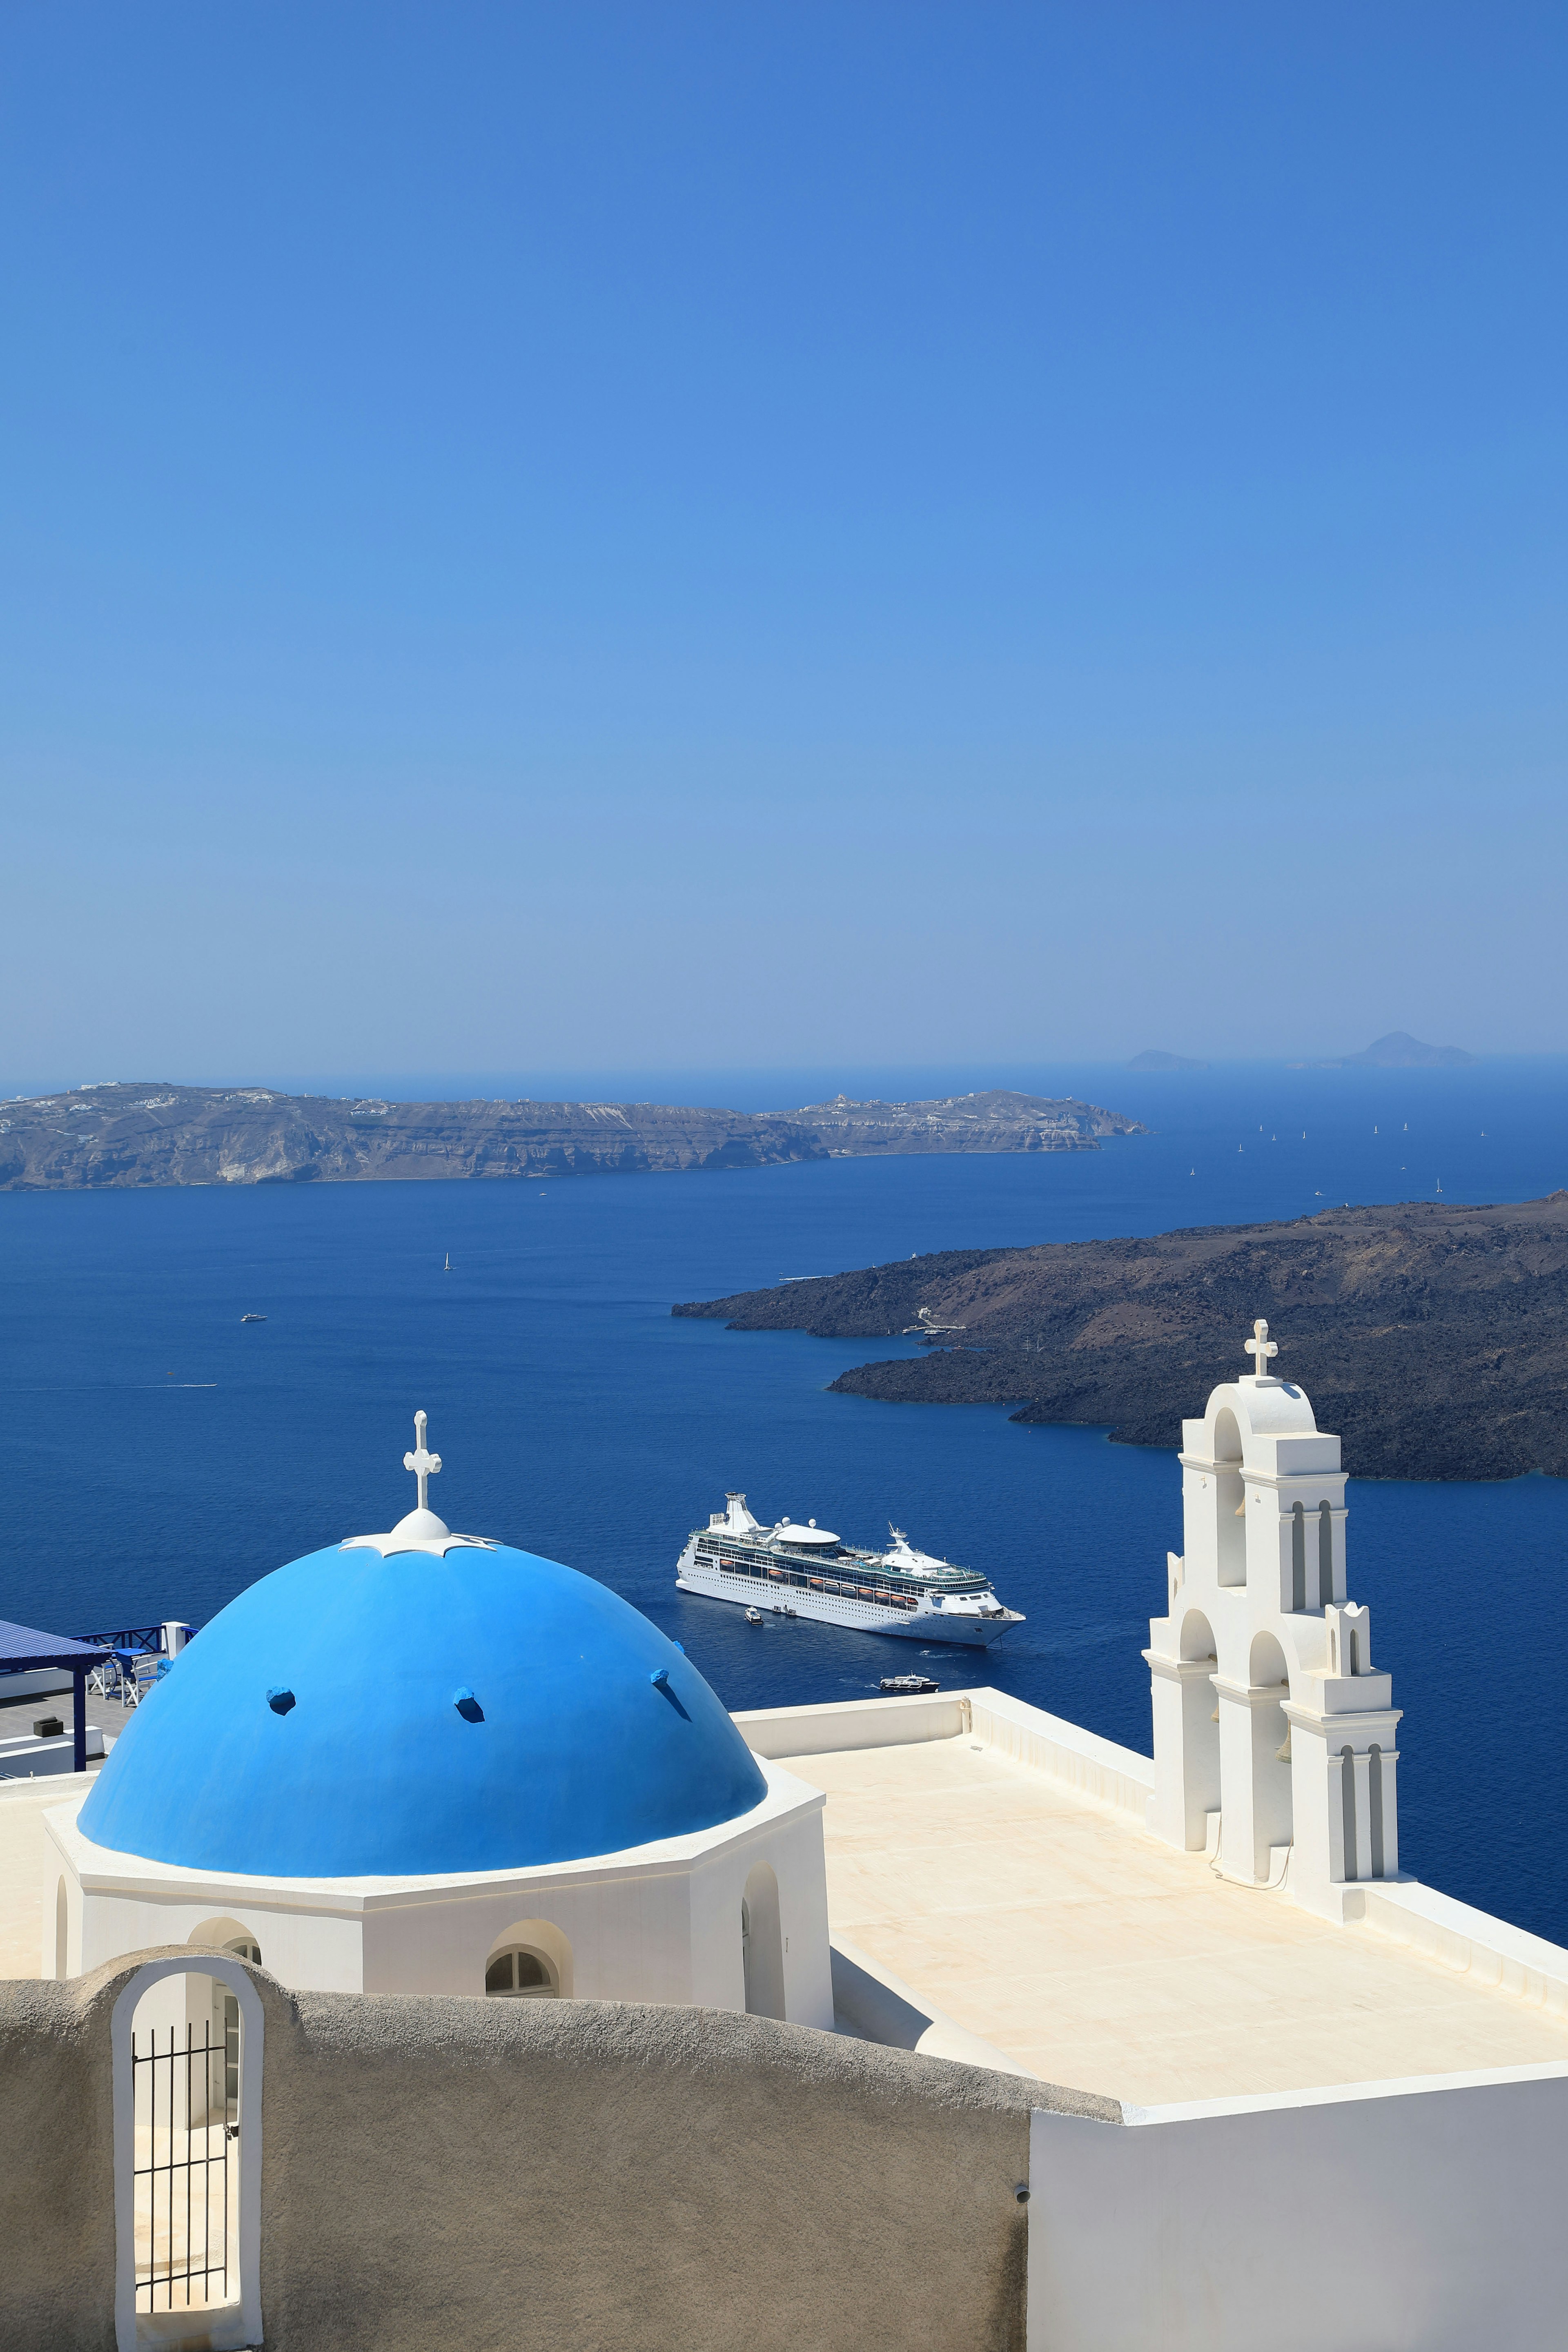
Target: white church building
[
  {"x": 1219, "y": 2073},
  {"x": 421, "y": 1762}
]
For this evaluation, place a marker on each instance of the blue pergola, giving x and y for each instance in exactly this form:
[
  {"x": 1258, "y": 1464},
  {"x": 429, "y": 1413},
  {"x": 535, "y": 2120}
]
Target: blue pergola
[{"x": 23, "y": 1647}]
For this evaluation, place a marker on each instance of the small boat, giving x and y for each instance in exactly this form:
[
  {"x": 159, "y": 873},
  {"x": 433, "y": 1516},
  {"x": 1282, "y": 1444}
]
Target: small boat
[
  {"x": 447, "y": 1267},
  {"x": 753, "y": 1616},
  {"x": 253, "y": 1319},
  {"x": 907, "y": 1685}
]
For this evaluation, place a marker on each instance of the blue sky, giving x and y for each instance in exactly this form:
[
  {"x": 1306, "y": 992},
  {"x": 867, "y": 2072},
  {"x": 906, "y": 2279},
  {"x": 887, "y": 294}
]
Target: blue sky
[{"x": 630, "y": 537}]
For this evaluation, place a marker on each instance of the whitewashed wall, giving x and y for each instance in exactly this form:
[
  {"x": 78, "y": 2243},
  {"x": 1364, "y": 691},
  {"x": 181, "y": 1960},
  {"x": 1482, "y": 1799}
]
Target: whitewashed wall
[
  {"x": 658, "y": 1923},
  {"x": 1392, "y": 2216}
]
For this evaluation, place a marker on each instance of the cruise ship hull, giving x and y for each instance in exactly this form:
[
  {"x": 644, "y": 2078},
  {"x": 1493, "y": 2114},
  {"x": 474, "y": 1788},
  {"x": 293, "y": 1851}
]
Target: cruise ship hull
[{"x": 920, "y": 1624}]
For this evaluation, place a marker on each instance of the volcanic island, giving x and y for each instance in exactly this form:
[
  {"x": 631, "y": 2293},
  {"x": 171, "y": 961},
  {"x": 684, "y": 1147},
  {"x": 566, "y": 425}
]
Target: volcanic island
[{"x": 1434, "y": 1338}]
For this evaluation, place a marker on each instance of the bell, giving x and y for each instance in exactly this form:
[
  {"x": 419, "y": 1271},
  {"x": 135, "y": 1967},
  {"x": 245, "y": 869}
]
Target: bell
[
  {"x": 1240, "y": 1511},
  {"x": 1214, "y": 1717},
  {"x": 1282, "y": 1753}
]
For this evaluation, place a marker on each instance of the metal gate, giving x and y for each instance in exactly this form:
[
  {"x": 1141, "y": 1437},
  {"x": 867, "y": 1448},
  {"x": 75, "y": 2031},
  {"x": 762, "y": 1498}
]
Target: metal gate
[{"x": 185, "y": 2099}]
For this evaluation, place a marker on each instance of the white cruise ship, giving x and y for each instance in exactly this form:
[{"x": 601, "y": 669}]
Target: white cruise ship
[{"x": 796, "y": 1571}]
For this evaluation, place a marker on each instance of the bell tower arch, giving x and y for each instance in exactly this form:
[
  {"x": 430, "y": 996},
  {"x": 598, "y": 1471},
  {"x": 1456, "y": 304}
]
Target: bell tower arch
[{"x": 1275, "y": 1750}]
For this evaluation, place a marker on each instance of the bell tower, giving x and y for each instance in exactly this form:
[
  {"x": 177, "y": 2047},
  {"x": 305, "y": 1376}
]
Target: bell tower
[{"x": 1273, "y": 1733}]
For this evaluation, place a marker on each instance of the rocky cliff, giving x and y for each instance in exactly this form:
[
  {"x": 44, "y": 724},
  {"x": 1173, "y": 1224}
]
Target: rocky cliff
[
  {"x": 154, "y": 1133},
  {"x": 1433, "y": 1338}
]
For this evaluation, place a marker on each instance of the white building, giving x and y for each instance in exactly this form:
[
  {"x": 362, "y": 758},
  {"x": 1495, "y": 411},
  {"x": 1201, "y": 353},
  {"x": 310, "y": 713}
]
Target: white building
[{"x": 425, "y": 1762}]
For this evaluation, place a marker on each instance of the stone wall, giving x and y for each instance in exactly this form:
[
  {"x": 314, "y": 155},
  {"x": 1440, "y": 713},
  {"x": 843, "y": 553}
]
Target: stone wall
[
  {"x": 56, "y": 2165},
  {"x": 569, "y": 2174}
]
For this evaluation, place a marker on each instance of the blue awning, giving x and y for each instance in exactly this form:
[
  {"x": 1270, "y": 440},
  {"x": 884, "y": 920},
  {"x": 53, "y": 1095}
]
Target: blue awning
[{"x": 22, "y": 1646}]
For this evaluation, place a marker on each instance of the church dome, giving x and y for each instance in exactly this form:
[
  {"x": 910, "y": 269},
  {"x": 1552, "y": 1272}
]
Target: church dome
[{"x": 374, "y": 1710}]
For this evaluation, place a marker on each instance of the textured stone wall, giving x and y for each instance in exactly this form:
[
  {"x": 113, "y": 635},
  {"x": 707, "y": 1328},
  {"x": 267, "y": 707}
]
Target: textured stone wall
[
  {"x": 550, "y": 2176},
  {"x": 56, "y": 2165}
]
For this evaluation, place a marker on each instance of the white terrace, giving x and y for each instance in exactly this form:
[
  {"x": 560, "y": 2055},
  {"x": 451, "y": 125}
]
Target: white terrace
[
  {"x": 1227, "y": 1918},
  {"x": 992, "y": 1866}
]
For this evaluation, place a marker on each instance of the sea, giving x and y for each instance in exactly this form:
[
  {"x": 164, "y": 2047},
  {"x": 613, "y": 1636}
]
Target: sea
[{"x": 160, "y": 1454}]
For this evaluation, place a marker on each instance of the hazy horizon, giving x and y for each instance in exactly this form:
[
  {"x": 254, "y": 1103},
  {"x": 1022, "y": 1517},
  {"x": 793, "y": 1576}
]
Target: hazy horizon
[{"x": 754, "y": 1088}]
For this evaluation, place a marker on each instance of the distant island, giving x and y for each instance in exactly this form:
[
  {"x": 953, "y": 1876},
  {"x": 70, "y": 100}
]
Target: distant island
[
  {"x": 155, "y": 1132},
  {"x": 1398, "y": 1051},
  {"x": 1435, "y": 1339},
  {"x": 1158, "y": 1061}
]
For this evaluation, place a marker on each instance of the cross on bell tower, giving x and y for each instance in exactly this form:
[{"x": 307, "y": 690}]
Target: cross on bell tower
[
  {"x": 1260, "y": 1347},
  {"x": 423, "y": 1463}
]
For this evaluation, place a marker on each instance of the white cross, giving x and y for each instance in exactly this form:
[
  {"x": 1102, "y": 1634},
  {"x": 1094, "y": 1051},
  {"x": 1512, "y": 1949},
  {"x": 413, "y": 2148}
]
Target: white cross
[
  {"x": 424, "y": 1464},
  {"x": 1260, "y": 1347}
]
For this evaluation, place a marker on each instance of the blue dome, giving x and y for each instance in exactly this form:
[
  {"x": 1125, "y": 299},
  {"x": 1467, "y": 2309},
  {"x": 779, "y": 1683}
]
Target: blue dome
[{"x": 485, "y": 1711}]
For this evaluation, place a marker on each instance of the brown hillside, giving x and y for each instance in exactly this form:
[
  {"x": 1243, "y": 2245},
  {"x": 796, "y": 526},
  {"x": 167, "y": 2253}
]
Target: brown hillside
[{"x": 1434, "y": 1339}]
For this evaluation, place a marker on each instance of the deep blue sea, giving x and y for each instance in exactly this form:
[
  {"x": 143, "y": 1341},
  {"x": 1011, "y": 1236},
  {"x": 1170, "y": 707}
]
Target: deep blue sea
[{"x": 159, "y": 1454}]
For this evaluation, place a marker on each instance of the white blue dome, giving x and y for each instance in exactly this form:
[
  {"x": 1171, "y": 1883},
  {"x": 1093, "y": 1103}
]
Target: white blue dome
[{"x": 354, "y": 1716}]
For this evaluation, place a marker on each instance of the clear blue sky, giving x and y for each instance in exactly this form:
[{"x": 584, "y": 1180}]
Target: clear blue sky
[{"x": 648, "y": 537}]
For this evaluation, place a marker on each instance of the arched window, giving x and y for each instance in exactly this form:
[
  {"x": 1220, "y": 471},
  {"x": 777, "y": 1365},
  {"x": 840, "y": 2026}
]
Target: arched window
[
  {"x": 520, "y": 1975},
  {"x": 761, "y": 1944},
  {"x": 1325, "y": 1556},
  {"x": 1230, "y": 1502},
  {"x": 1347, "y": 1794},
  {"x": 1298, "y": 1557},
  {"x": 227, "y": 1935}
]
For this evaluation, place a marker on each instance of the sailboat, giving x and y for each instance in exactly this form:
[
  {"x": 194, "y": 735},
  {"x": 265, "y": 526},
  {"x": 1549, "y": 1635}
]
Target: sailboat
[{"x": 447, "y": 1267}]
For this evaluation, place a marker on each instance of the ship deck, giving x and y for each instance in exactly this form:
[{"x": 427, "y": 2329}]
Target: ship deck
[
  {"x": 847, "y": 1563},
  {"x": 1069, "y": 1938}
]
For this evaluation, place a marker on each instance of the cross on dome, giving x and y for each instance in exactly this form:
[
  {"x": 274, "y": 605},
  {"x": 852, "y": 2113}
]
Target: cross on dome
[
  {"x": 419, "y": 1530},
  {"x": 1260, "y": 1347},
  {"x": 424, "y": 1465}
]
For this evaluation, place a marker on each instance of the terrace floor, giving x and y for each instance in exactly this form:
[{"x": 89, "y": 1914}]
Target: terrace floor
[{"x": 1097, "y": 1956}]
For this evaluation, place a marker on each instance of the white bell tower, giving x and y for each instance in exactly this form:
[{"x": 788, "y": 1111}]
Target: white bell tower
[{"x": 1273, "y": 1735}]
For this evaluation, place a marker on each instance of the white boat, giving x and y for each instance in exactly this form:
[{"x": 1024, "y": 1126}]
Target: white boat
[{"x": 808, "y": 1571}]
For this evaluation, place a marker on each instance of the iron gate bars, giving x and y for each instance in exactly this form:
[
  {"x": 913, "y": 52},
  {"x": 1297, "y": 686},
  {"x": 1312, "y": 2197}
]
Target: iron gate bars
[{"x": 191, "y": 2216}]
